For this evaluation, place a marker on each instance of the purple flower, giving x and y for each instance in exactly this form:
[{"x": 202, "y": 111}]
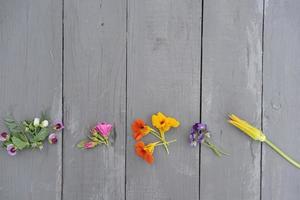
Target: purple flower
[
  {"x": 11, "y": 150},
  {"x": 199, "y": 127},
  {"x": 192, "y": 138},
  {"x": 197, "y": 134},
  {"x": 4, "y": 137},
  {"x": 52, "y": 138},
  {"x": 58, "y": 125},
  {"x": 200, "y": 138}
]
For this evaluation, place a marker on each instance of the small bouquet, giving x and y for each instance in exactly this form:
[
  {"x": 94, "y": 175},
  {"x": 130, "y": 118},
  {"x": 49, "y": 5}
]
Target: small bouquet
[
  {"x": 258, "y": 135},
  {"x": 98, "y": 135},
  {"x": 29, "y": 134},
  {"x": 141, "y": 129},
  {"x": 199, "y": 134}
]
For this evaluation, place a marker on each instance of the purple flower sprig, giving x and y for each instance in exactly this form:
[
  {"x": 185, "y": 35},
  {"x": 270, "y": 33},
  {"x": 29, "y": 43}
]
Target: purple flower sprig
[{"x": 199, "y": 134}]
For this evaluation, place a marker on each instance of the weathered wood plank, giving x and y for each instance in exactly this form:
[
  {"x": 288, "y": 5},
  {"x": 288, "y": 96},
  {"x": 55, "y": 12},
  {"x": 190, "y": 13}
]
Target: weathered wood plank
[
  {"x": 30, "y": 82},
  {"x": 281, "y": 98},
  {"x": 95, "y": 79},
  {"x": 164, "y": 75},
  {"x": 232, "y": 73}
]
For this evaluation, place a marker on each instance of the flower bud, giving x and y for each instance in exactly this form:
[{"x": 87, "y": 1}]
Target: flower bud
[
  {"x": 36, "y": 122},
  {"x": 90, "y": 145},
  {"x": 44, "y": 124}
]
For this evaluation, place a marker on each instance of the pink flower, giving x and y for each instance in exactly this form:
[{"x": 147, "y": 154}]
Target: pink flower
[
  {"x": 104, "y": 128},
  {"x": 11, "y": 150},
  {"x": 90, "y": 145},
  {"x": 52, "y": 138},
  {"x": 4, "y": 137}
]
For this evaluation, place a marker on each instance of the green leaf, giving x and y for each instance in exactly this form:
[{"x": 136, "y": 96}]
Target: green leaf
[
  {"x": 9, "y": 119},
  {"x": 19, "y": 143},
  {"x": 20, "y": 135},
  {"x": 12, "y": 125},
  {"x": 42, "y": 135}
]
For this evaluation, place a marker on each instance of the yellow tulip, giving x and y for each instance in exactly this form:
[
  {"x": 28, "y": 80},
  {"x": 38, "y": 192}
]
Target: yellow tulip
[{"x": 257, "y": 134}]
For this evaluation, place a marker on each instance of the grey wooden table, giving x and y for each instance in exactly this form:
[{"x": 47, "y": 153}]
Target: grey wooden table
[{"x": 115, "y": 60}]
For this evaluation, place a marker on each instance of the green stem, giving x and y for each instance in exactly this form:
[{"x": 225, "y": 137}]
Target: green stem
[
  {"x": 156, "y": 135},
  {"x": 215, "y": 149},
  {"x": 154, "y": 131},
  {"x": 100, "y": 142},
  {"x": 167, "y": 142},
  {"x": 162, "y": 138},
  {"x": 280, "y": 152},
  {"x": 107, "y": 142}
]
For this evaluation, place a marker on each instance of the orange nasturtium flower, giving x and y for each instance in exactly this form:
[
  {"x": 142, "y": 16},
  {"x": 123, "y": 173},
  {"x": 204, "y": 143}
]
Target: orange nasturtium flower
[
  {"x": 164, "y": 123},
  {"x": 140, "y": 129},
  {"x": 145, "y": 151}
]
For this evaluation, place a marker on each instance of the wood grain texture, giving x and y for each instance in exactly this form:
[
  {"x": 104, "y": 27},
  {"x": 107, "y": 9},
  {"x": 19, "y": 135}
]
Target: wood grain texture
[
  {"x": 95, "y": 85},
  {"x": 164, "y": 75},
  {"x": 232, "y": 72},
  {"x": 30, "y": 82},
  {"x": 159, "y": 43},
  {"x": 281, "y": 98}
]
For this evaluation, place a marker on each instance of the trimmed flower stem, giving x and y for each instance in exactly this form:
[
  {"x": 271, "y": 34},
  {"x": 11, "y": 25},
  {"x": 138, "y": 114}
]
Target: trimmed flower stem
[
  {"x": 167, "y": 142},
  {"x": 155, "y": 133},
  {"x": 280, "y": 152},
  {"x": 103, "y": 140},
  {"x": 214, "y": 148}
]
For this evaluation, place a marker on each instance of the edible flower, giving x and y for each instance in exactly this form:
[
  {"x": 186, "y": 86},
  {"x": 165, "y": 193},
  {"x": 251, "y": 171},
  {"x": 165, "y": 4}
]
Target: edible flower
[
  {"x": 90, "y": 145},
  {"x": 4, "y": 136},
  {"x": 145, "y": 151},
  {"x": 36, "y": 122},
  {"x": 164, "y": 123},
  {"x": 140, "y": 129},
  {"x": 257, "y": 134},
  {"x": 11, "y": 150},
  {"x": 27, "y": 134},
  {"x": 247, "y": 128},
  {"x": 104, "y": 128},
  {"x": 58, "y": 125},
  {"x": 98, "y": 135},
  {"x": 44, "y": 124},
  {"x": 199, "y": 134},
  {"x": 52, "y": 138}
]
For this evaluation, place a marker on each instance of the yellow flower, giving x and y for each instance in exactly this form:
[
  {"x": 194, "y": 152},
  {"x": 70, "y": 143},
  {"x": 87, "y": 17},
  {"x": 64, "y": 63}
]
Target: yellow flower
[
  {"x": 150, "y": 147},
  {"x": 164, "y": 123},
  {"x": 257, "y": 134},
  {"x": 247, "y": 128}
]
